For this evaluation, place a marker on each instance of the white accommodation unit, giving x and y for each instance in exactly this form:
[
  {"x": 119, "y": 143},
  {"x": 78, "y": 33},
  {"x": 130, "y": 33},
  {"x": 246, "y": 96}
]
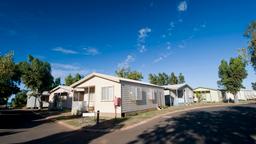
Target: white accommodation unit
[
  {"x": 98, "y": 91},
  {"x": 34, "y": 102},
  {"x": 208, "y": 94},
  {"x": 243, "y": 95},
  {"x": 61, "y": 97},
  {"x": 178, "y": 94}
]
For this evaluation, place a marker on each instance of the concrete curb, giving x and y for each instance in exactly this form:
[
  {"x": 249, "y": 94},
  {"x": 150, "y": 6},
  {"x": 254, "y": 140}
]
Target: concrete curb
[{"x": 176, "y": 111}]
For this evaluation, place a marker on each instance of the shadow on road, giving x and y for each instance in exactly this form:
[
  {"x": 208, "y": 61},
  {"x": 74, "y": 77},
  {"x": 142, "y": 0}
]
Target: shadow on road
[
  {"x": 230, "y": 125},
  {"x": 81, "y": 136}
]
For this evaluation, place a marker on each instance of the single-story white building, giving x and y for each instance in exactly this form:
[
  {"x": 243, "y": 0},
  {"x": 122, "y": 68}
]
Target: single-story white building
[
  {"x": 178, "y": 94},
  {"x": 114, "y": 96},
  {"x": 243, "y": 95},
  {"x": 208, "y": 94},
  {"x": 34, "y": 102},
  {"x": 61, "y": 97}
]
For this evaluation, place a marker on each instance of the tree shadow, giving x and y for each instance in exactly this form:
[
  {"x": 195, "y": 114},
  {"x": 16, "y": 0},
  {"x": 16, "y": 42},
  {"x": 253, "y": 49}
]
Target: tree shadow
[
  {"x": 81, "y": 136},
  {"x": 19, "y": 119},
  {"x": 231, "y": 125}
]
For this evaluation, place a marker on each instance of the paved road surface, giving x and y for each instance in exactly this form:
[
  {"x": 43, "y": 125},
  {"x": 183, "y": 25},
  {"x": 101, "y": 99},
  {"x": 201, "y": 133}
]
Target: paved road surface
[
  {"x": 18, "y": 126},
  {"x": 213, "y": 125}
]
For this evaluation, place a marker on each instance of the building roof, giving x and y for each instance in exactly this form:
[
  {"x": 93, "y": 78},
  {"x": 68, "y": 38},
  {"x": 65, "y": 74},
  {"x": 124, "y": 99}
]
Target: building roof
[
  {"x": 111, "y": 78},
  {"x": 206, "y": 88},
  {"x": 176, "y": 86},
  {"x": 31, "y": 93},
  {"x": 68, "y": 88}
]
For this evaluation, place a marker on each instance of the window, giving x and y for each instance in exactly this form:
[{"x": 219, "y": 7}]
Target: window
[
  {"x": 86, "y": 90},
  {"x": 139, "y": 94},
  {"x": 92, "y": 89},
  {"x": 79, "y": 96},
  {"x": 107, "y": 93}
]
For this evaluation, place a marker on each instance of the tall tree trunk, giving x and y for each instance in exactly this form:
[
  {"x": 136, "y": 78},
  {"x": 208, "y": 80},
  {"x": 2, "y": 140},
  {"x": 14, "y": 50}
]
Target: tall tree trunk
[{"x": 236, "y": 98}]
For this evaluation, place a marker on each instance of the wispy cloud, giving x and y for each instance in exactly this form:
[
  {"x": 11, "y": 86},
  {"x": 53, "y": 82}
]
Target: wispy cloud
[
  {"x": 62, "y": 70},
  {"x": 126, "y": 63},
  {"x": 182, "y": 7},
  {"x": 143, "y": 34},
  {"x": 91, "y": 51},
  {"x": 162, "y": 57},
  {"x": 171, "y": 28},
  {"x": 64, "y": 50}
]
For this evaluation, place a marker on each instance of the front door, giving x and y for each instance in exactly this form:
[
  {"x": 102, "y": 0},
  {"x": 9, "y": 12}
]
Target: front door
[{"x": 90, "y": 95}]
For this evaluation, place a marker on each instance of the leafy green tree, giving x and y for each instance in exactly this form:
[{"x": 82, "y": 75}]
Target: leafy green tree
[
  {"x": 163, "y": 79},
  {"x": 153, "y": 79},
  {"x": 122, "y": 72},
  {"x": 250, "y": 33},
  {"x": 69, "y": 80},
  {"x": 254, "y": 86},
  {"x": 127, "y": 73},
  {"x": 232, "y": 75},
  {"x": 135, "y": 75},
  {"x": 181, "y": 79},
  {"x": 36, "y": 75},
  {"x": 56, "y": 82},
  {"x": 9, "y": 77},
  {"x": 173, "y": 79},
  {"x": 20, "y": 99}
]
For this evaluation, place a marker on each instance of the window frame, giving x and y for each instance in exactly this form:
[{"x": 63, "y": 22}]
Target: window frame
[{"x": 109, "y": 99}]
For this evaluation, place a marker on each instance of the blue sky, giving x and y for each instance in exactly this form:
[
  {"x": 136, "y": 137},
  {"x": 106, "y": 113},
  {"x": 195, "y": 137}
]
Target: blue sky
[{"x": 150, "y": 36}]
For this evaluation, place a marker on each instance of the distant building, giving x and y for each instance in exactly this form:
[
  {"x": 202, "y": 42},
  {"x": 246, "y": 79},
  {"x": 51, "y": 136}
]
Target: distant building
[
  {"x": 242, "y": 95},
  {"x": 61, "y": 97},
  {"x": 178, "y": 94},
  {"x": 34, "y": 102},
  {"x": 208, "y": 94}
]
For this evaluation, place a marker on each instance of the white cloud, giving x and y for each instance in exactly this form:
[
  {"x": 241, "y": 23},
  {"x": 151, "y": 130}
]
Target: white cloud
[
  {"x": 142, "y": 48},
  {"x": 91, "y": 51},
  {"x": 65, "y": 51},
  {"x": 162, "y": 57},
  {"x": 62, "y": 70},
  {"x": 182, "y": 6},
  {"x": 143, "y": 33},
  {"x": 126, "y": 63}
]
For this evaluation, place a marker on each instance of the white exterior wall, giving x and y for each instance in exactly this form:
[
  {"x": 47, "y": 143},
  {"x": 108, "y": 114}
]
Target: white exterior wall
[
  {"x": 61, "y": 90},
  {"x": 242, "y": 95},
  {"x": 99, "y": 83},
  {"x": 33, "y": 102},
  {"x": 212, "y": 96}
]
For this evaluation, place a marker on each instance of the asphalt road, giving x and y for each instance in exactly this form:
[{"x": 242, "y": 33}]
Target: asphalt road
[
  {"x": 18, "y": 126},
  {"x": 212, "y": 125}
]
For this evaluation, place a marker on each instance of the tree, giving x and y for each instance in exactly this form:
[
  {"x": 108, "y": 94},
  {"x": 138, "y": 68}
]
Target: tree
[
  {"x": 153, "y": 79},
  {"x": 56, "y": 82},
  {"x": 250, "y": 33},
  {"x": 232, "y": 75},
  {"x": 20, "y": 99},
  {"x": 36, "y": 75},
  {"x": 9, "y": 77},
  {"x": 254, "y": 86},
  {"x": 127, "y": 73},
  {"x": 181, "y": 79},
  {"x": 69, "y": 80},
  {"x": 163, "y": 79},
  {"x": 173, "y": 79}
]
